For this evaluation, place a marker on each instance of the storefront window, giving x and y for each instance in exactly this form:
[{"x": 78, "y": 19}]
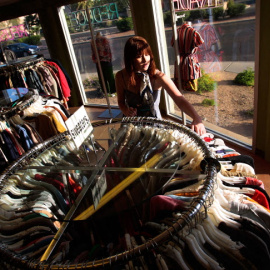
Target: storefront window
[
  {"x": 112, "y": 21},
  {"x": 20, "y": 38},
  {"x": 224, "y": 93}
]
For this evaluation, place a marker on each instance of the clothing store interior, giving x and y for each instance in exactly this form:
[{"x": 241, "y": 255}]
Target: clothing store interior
[{"x": 83, "y": 186}]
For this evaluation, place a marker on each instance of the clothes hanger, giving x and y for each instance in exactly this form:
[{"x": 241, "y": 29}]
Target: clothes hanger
[
  {"x": 218, "y": 217},
  {"x": 211, "y": 262},
  {"x": 196, "y": 251},
  {"x": 174, "y": 254},
  {"x": 248, "y": 191},
  {"x": 133, "y": 138},
  {"x": 218, "y": 194},
  {"x": 206, "y": 237},
  {"x": 189, "y": 188},
  {"x": 232, "y": 179},
  {"x": 217, "y": 236},
  {"x": 222, "y": 210},
  {"x": 186, "y": 235},
  {"x": 170, "y": 153}
]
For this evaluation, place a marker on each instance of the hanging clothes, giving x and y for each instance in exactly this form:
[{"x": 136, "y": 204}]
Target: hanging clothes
[
  {"x": 188, "y": 40},
  {"x": 230, "y": 230},
  {"x": 45, "y": 76},
  {"x": 28, "y": 122},
  {"x": 63, "y": 81}
]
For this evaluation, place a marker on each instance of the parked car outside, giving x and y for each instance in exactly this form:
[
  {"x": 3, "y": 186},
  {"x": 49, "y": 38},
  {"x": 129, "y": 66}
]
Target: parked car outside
[{"x": 23, "y": 49}]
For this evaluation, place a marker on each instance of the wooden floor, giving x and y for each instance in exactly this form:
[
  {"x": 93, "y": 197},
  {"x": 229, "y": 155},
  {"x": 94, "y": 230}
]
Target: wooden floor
[{"x": 262, "y": 167}]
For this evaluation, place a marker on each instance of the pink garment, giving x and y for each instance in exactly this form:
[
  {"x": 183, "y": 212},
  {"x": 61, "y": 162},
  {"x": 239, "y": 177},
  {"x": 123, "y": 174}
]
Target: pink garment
[
  {"x": 254, "y": 181},
  {"x": 161, "y": 203}
]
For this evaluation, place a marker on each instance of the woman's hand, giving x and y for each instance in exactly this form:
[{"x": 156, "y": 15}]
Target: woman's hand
[{"x": 198, "y": 128}]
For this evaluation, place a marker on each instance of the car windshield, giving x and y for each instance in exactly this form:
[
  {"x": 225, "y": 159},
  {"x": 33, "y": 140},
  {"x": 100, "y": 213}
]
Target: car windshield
[{"x": 23, "y": 46}]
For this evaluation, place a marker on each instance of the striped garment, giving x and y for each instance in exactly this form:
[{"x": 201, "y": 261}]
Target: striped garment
[{"x": 188, "y": 40}]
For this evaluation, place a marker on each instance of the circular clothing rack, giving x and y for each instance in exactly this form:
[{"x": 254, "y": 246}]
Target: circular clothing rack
[{"x": 108, "y": 138}]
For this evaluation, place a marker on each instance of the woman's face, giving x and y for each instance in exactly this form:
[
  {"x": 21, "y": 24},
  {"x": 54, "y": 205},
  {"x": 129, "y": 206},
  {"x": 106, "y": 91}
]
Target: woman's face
[{"x": 142, "y": 61}]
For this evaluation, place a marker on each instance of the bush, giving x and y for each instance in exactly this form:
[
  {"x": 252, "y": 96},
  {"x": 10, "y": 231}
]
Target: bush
[
  {"x": 208, "y": 102},
  {"x": 249, "y": 113},
  {"x": 205, "y": 84},
  {"x": 245, "y": 78},
  {"x": 89, "y": 83},
  {"x": 218, "y": 12},
  {"x": 196, "y": 15},
  {"x": 167, "y": 18},
  {"x": 31, "y": 40},
  {"x": 235, "y": 9},
  {"x": 124, "y": 24}
]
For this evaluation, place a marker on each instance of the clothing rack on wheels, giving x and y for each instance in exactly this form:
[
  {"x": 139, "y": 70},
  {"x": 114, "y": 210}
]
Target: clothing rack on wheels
[
  {"x": 30, "y": 162},
  {"x": 144, "y": 217}
]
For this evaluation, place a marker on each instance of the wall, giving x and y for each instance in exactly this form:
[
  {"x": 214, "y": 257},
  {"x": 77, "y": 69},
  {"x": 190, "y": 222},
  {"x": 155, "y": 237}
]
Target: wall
[{"x": 262, "y": 118}]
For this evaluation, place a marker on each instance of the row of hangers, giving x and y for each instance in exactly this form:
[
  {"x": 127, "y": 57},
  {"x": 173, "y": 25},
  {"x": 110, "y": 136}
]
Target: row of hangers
[
  {"x": 19, "y": 105},
  {"x": 25, "y": 62}
]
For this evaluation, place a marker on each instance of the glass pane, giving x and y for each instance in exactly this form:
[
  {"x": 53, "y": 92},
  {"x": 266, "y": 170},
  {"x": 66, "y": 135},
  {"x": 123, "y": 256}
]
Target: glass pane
[
  {"x": 21, "y": 37},
  {"x": 114, "y": 23},
  {"x": 224, "y": 92}
]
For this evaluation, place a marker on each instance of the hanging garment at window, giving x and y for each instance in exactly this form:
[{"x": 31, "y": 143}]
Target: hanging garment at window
[{"x": 188, "y": 40}]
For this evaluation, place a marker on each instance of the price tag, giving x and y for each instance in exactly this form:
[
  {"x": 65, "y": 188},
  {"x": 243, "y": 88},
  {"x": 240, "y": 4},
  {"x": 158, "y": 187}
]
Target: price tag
[
  {"x": 99, "y": 189},
  {"x": 79, "y": 126}
]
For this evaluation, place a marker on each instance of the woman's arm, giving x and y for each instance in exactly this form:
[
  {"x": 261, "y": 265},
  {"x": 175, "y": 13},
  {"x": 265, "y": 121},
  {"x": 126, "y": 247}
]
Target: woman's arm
[
  {"x": 120, "y": 89},
  {"x": 165, "y": 82}
]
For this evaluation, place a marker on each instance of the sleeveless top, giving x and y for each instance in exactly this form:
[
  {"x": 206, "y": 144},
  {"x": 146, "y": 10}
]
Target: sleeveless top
[{"x": 143, "y": 108}]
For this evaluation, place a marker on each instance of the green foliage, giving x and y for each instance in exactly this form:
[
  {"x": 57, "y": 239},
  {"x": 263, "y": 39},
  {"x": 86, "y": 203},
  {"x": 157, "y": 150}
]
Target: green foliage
[
  {"x": 199, "y": 14},
  {"x": 124, "y": 24},
  {"x": 235, "y": 9},
  {"x": 91, "y": 83},
  {"x": 249, "y": 113},
  {"x": 205, "y": 84},
  {"x": 218, "y": 12},
  {"x": 208, "y": 102},
  {"x": 32, "y": 23},
  {"x": 31, "y": 40},
  {"x": 245, "y": 78},
  {"x": 167, "y": 18}
]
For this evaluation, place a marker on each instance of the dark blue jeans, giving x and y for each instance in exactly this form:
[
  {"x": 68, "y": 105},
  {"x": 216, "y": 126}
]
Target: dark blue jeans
[{"x": 107, "y": 70}]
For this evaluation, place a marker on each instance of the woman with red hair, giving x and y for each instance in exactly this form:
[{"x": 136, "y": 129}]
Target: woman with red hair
[{"x": 139, "y": 85}]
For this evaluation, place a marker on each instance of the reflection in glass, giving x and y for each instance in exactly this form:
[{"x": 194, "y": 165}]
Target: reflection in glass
[
  {"x": 228, "y": 50},
  {"x": 7, "y": 96}
]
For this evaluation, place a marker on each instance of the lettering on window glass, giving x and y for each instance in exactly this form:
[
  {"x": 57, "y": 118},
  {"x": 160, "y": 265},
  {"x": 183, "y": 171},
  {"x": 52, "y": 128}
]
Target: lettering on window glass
[
  {"x": 98, "y": 14},
  {"x": 195, "y": 4}
]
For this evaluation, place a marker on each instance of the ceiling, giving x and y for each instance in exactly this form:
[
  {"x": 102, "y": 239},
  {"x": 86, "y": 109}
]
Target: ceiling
[{"x": 10, "y": 9}]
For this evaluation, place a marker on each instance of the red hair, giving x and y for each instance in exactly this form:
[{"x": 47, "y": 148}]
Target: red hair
[{"x": 134, "y": 47}]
